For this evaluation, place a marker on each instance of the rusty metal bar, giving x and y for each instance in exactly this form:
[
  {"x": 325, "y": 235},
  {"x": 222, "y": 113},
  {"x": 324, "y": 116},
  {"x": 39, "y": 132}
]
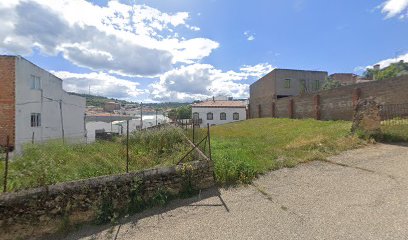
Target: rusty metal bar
[
  {"x": 6, "y": 164},
  {"x": 195, "y": 147}
]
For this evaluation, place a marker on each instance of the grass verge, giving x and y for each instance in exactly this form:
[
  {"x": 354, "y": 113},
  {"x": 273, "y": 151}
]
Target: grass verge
[{"x": 245, "y": 149}]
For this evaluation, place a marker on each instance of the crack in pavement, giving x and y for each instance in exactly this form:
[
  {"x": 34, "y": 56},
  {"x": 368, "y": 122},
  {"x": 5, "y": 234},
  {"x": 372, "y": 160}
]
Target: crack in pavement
[
  {"x": 359, "y": 168},
  {"x": 284, "y": 208}
]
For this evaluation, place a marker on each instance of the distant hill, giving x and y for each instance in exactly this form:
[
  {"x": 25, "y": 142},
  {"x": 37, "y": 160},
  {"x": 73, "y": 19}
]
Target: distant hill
[{"x": 99, "y": 101}]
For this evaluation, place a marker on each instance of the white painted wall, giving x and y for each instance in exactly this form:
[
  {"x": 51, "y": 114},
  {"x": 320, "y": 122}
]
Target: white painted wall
[
  {"x": 216, "y": 115},
  {"x": 39, "y": 101},
  {"x": 91, "y": 127}
]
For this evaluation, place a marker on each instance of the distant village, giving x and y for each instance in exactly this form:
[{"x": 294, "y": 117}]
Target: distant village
[{"x": 35, "y": 108}]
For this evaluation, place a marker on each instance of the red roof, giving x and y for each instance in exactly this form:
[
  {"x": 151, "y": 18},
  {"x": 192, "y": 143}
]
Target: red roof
[{"x": 220, "y": 104}]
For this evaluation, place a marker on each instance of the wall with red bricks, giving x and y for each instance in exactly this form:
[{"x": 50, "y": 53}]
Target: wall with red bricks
[
  {"x": 7, "y": 99},
  {"x": 337, "y": 104}
]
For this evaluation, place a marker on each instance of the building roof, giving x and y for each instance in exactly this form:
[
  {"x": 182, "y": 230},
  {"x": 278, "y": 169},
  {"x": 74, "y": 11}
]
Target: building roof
[{"x": 220, "y": 104}]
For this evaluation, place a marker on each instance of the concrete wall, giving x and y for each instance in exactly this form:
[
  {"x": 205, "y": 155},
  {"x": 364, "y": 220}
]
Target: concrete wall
[
  {"x": 45, "y": 101},
  {"x": 41, "y": 211},
  {"x": 335, "y": 104},
  {"x": 7, "y": 99},
  {"x": 202, "y": 111}
]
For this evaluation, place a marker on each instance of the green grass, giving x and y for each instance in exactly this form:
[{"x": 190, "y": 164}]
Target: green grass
[
  {"x": 54, "y": 162},
  {"x": 245, "y": 149},
  {"x": 240, "y": 151},
  {"x": 395, "y": 132}
]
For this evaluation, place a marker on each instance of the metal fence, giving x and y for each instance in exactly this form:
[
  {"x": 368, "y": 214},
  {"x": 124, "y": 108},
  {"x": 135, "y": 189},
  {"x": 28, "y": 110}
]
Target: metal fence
[{"x": 394, "y": 114}]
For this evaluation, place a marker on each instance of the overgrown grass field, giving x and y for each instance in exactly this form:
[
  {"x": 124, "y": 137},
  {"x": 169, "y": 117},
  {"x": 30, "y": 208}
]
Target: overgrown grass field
[
  {"x": 245, "y": 149},
  {"x": 53, "y": 162},
  {"x": 240, "y": 151}
]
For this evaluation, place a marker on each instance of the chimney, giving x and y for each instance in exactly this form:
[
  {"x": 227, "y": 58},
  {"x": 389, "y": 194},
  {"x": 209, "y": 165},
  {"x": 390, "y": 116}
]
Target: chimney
[
  {"x": 213, "y": 99},
  {"x": 377, "y": 67}
]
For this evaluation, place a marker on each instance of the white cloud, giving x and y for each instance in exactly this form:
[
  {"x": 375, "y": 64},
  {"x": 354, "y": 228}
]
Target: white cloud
[
  {"x": 99, "y": 83},
  {"x": 130, "y": 40},
  {"x": 199, "y": 81},
  {"x": 387, "y": 62},
  {"x": 394, "y": 8},
  {"x": 249, "y": 36}
]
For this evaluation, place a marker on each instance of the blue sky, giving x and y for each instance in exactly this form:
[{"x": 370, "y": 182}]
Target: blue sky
[{"x": 181, "y": 50}]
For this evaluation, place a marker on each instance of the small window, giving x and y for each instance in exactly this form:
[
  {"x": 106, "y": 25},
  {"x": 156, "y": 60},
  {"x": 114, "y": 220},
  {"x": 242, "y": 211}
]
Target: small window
[
  {"x": 35, "y": 119},
  {"x": 235, "y": 116},
  {"x": 35, "y": 82},
  {"x": 316, "y": 85},
  {"x": 303, "y": 87},
  {"x": 287, "y": 83},
  {"x": 210, "y": 116},
  {"x": 223, "y": 116}
]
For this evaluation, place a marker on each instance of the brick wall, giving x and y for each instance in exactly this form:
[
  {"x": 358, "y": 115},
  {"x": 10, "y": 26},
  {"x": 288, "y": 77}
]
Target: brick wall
[
  {"x": 7, "y": 99},
  {"x": 335, "y": 104}
]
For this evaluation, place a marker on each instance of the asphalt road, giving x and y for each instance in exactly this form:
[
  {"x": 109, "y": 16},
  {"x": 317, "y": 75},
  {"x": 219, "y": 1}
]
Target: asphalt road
[{"x": 360, "y": 194}]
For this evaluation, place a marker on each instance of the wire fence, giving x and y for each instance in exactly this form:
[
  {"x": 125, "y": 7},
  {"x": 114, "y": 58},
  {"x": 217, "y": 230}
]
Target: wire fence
[{"x": 394, "y": 114}]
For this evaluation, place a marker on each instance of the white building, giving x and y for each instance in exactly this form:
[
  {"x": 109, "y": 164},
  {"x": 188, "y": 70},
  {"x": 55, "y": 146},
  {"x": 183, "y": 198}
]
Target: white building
[
  {"x": 34, "y": 106},
  {"x": 218, "y": 112}
]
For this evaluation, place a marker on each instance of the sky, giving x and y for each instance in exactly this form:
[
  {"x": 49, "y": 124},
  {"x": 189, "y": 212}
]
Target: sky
[{"x": 185, "y": 50}]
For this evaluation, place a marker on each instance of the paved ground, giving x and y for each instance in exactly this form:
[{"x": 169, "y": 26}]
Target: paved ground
[{"x": 361, "y": 194}]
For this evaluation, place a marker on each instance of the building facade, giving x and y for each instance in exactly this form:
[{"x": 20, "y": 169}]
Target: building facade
[
  {"x": 34, "y": 107},
  {"x": 215, "y": 112},
  {"x": 281, "y": 83}
]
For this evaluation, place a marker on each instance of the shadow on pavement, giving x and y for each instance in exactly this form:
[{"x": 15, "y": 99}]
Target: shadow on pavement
[{"x": 89, "y": 230}]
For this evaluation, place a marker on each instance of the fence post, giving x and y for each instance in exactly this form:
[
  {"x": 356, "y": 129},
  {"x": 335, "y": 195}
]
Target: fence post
[
  {"x": 193, "y": 133},
  {"x": 259, "y": 111},
  {"x": 291, "y": 110},
  {"x": 32, "y": 139},
  {"x": 6, "y": 164},
  {"x": 273, "y": 109},
  {"x": 127, "y": 146},
  {"x": 317, "y": 106},
  {"x": 209, "y": 141}
]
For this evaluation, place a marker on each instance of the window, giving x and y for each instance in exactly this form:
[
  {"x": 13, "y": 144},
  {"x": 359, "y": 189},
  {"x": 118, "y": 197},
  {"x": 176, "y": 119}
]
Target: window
[
  {"x": 235, "y": 116},
  {"x": 287, "y": 83},
  {"x": 316, "y": 85},
  {"x": 303, "y": 87},
  {"x": 196, "y": 116},
  {"x": 35, "y": 119},
  {"x": 223, "y": 116},
  {"x": 35, "y": 82},
  {"x": 210, "y": 116}
]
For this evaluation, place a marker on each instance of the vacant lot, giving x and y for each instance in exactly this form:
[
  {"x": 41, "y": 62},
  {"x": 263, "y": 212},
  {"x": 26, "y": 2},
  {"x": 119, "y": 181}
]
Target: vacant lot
[
  {"x": 244, "y": 149},
  {"x": 52, "y": 162},
  {"x": 240, "y": 150}
]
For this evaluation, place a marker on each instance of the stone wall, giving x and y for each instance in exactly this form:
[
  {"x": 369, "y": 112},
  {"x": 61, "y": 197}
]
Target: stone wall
[
  {"x": 334, "y": 104},
  {"x": 7, "y": 99},
  {"x": 37, "y": 212}
]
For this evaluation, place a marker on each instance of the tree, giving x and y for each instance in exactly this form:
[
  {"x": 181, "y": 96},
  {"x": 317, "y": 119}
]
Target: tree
[
  {"x": 183, "y": 112},
  {"x": 330, "y": 84},
  {"x": 392, "y": 71}
]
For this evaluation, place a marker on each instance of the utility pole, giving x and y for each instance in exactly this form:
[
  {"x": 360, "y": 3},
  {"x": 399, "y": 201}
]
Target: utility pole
[
  {"x": 141, "y": 115},
  {"x": 156, "y": 117},
  {"x": 62, "y": 122}
]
